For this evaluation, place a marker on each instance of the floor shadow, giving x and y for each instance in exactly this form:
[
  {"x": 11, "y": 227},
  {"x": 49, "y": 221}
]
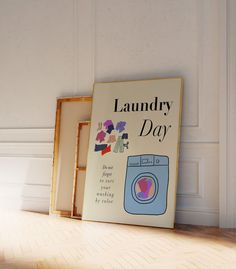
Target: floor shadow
[{"x": 206, "y": 232}]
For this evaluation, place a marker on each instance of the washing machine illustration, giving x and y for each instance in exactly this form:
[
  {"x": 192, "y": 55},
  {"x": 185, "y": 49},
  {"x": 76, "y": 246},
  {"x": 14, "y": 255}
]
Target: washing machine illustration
[{"x": 146, "y": 184}]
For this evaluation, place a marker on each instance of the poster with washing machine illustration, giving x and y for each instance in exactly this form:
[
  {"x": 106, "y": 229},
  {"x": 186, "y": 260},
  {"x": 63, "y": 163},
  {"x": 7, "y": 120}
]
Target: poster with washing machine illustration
[{"x": 132, "y": 163}]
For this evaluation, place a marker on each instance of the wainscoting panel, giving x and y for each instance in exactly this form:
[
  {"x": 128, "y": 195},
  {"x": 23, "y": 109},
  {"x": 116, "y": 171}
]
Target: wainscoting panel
[
  {"x": 25, "y": 177},
  {"x": 198, "y": 188}
]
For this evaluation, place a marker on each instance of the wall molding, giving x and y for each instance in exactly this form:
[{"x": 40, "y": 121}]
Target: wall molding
[
  {"x": 200, "y": 132},
  {"x": 199, "y": 210},
  {"x": 28, "y": 135},
  {"x": 197, "y": 217},
  {"x": 198, "y": 200},
  {"x": 84, "y": 45},
  {"x": 198, "y": 192},
  {"x": 228, "y": 115},
  {"x": 26, "y": 150}
]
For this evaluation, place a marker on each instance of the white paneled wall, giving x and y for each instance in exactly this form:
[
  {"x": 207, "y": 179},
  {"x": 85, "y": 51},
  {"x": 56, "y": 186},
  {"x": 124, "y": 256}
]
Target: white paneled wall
[
  {"x": 60, "y": 47},
  {"x": 38, "y": 52},
  {"x": 146, "y": 39}
]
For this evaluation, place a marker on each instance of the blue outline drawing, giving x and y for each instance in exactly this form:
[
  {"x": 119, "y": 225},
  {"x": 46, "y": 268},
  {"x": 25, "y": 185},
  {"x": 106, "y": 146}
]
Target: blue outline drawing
[{"x": 142, "y": 167}]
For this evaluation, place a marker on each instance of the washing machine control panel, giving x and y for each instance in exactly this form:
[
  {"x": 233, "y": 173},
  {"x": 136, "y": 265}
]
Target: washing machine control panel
[
  {"x": 146, "y": 184},
  {"x": 146, "y": 160}
]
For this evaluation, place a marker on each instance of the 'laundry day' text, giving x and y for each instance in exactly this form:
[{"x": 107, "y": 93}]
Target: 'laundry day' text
[
  {"x": 156, "y": 105},
  {"x": 149, "y": 127}
]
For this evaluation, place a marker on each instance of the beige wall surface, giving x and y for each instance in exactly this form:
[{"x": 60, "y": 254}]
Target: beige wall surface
[{"x": 60, "y": 47}]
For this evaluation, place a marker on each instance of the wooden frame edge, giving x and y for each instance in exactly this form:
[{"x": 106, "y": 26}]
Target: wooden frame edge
[
  {"x": 52, "y": 209},
  {"x": 77, "y": 169}
]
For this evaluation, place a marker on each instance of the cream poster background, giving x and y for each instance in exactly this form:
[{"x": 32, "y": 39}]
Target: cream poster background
[{"x": 151, "y": 110}]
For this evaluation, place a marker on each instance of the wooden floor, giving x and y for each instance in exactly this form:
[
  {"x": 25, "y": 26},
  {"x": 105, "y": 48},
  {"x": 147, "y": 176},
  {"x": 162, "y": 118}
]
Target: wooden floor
[{"x": 29, "y": 240}]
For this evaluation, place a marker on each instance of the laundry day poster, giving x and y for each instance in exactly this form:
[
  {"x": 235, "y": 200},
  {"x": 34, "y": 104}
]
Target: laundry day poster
[{"x": 132, "y": 163}]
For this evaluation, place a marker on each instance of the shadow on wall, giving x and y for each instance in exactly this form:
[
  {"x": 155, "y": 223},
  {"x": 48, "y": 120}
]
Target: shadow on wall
[
  {"x": 25, "y": 181},
  {"x": 35, "y": 193}
]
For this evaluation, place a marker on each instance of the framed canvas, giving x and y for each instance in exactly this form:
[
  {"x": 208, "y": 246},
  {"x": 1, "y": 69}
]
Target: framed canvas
[
  {"x": 80, "y": 168},
  {"x": 133, "y": 152},
  {"x": 69, "y": 112}
]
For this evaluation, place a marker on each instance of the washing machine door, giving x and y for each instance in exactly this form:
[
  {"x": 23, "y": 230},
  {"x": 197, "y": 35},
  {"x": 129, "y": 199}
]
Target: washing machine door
[{"x": 145, "y": 188}]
